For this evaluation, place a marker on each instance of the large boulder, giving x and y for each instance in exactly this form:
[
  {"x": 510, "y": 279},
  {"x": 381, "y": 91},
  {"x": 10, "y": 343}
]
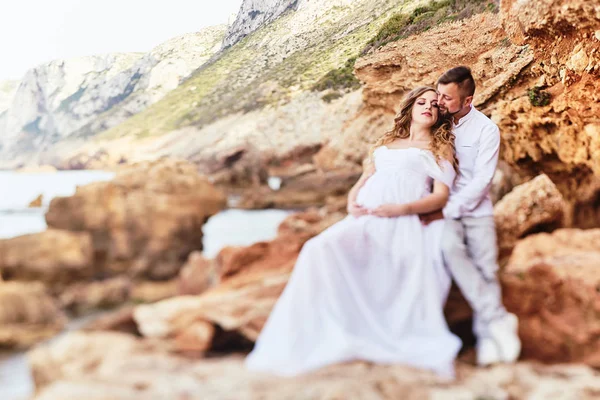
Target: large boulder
[
  {"x": 27, "y": 314},
  {"x": 56, "y": 257},
  {"x": 534, "y": 206},
  {"x": 552, "y": 283},
  {"x": 146, "y": 221}
]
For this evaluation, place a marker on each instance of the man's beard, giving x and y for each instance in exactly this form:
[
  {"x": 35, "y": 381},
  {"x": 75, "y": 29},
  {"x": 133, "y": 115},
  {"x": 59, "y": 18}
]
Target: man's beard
[{"x": 446, "y": 113}]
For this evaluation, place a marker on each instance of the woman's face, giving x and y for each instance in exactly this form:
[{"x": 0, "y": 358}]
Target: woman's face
[{"x": 425, "y": 109}]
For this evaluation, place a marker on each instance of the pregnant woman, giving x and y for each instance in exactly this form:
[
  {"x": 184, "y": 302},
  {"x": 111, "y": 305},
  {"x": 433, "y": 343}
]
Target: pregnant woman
[{"x": 372, "y": 286}]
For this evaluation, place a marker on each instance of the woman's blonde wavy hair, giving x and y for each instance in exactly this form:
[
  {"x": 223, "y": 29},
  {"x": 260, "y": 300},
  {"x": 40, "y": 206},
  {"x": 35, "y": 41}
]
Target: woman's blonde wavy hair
[{"x": 442, "y": 137}]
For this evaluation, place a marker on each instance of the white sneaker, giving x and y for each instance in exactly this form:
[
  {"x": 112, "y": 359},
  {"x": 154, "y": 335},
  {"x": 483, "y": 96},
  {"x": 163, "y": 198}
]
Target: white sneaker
[
  {"x": 503, "y": 344},
  {"x": 487, "y": 352}
]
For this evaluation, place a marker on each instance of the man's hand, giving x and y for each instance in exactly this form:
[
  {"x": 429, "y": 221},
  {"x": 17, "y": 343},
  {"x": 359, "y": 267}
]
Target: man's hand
[
  {"x": 428, "y": 218},
  {"x": 390, "y": 210},
  {"x": 356, "y": 210}
]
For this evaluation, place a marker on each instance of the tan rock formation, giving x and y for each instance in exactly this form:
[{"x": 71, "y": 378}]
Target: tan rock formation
[
  {"x": 535, "y": 206},
  {"x": 146, "y": 221},
  {"x": 551, "y": 282},
  {"x": 560, "y": 138},
  {"x": 117, "y": 234},
  {"x": 27, "y": 314},
  {"x": 100, "y": 366},
  {"x": 56, "y": 257},
  {"x": 527, "y": 21}
]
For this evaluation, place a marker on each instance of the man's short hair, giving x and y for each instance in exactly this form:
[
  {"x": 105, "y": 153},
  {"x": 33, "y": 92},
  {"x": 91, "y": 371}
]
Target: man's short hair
[{"x": 462, "y": 76}]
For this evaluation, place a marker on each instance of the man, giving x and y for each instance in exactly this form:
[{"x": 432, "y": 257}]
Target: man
[{"x": 469, "y": 239}]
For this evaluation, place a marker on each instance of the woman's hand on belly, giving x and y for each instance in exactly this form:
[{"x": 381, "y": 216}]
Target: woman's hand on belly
[
  {"x": 390, "y": 210},
  {"x": 356, "y": 210}
]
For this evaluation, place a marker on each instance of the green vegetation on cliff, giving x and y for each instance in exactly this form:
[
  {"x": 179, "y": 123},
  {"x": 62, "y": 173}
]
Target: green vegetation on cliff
[
  {"x": 402, "y": 25},
  {"x": 399, "y": 26},
  {"x": 538, "y": 97},
  {"x": 340, "y": 78}
]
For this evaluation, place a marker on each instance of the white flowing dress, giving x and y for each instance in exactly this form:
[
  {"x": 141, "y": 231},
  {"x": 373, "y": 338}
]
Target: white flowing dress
[{"x": 368, "y": 288}]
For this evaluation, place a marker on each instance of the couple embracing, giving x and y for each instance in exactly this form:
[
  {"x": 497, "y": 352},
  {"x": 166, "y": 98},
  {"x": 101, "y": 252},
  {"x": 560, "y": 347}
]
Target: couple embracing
[{"x": 373, "y": 286}]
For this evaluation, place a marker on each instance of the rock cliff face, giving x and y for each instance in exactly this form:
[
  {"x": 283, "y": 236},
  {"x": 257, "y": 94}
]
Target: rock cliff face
[
  {"x": 557, "y": 130},
  {"x": 47, "y": 93},
  {"x": 538, "y": 77},
  {"x": 80, "y": 97},
  {"x": 155, "y": 74},
  {"x": 7, "y": 91},
  {"x": 249, "y": 111},
  {"x": 255, "y": 13}
]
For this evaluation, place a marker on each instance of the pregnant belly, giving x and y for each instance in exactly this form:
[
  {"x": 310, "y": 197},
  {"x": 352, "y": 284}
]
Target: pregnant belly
[{"x": 378, "y": 191}]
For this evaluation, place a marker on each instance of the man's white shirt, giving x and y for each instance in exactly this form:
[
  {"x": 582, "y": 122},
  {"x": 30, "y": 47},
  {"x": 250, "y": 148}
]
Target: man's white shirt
[{"x": 477, "y": 148}]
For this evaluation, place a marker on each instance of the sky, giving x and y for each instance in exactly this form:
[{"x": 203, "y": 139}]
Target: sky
[{"x": 33, "y": 32}]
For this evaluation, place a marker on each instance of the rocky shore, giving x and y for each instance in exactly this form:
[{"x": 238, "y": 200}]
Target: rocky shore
[{"x": 184, "y": 330}]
